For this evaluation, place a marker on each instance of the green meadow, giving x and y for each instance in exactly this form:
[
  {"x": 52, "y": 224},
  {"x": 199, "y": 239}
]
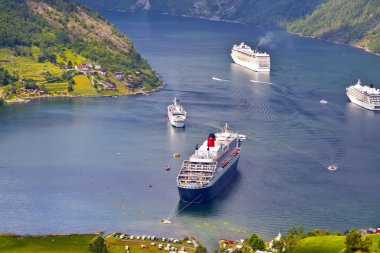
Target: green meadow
[
  {"x": 329, "y": 244},
  {"x": 46, "y": 244}
]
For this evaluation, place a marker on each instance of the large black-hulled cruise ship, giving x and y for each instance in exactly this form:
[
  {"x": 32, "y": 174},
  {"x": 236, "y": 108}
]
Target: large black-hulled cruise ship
[{"x": 210, "y": 168}]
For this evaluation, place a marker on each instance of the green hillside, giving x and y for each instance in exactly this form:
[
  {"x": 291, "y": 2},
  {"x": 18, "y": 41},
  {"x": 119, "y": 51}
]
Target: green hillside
[
  {"x": 329, "y": 244},
  {"x": 258, "y": 12},
  {"x": 41, "y": 42},
  {"x": 355, "y": 22}
]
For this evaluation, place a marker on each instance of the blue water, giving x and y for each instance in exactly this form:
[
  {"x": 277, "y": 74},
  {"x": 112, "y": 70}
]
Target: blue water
[{"x": 84, "y": 165}]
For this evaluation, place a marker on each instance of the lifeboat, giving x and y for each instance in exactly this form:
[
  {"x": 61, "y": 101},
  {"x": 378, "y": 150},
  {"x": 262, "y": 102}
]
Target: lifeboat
[{"x": 224, "y": 163}]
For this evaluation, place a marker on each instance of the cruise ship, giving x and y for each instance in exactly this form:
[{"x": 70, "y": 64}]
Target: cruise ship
[
  {"x": 251, "y": 59},
  {"x": 211, "y": 167},
  {"x": 364, "y": 96},
  {"x": 176, "y": 114}
]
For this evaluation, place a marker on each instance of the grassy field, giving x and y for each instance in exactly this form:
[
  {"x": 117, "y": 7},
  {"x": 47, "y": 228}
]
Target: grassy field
[
  {"x": 329, "y": 244},
  {"x": 375, "y": 242},
  {"x": 45, "y": 244},
  {"x": 71, "y": 56},
  {"x": 56, "y": 87},
  {"x": 27, "y": 66},
  {"x": 117, "y": 245},
  {"x": 84, "y": 87},
  {"x": 321, "y": 244}
]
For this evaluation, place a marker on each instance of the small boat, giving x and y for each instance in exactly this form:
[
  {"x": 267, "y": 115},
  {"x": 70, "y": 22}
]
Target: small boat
[
  {"x": 332, "y": 167},
  {"x": 166, "y": 221},
  {"x": 176, "y": 154},
  {"x": 323, "y": 101},
  {"x": 167, "y": 168}
]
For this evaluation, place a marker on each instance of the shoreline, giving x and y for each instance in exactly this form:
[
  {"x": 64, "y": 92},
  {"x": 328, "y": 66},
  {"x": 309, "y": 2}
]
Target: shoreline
[
  {"x": 26, "y": 100},
  {"x": 365, "y": 49}
]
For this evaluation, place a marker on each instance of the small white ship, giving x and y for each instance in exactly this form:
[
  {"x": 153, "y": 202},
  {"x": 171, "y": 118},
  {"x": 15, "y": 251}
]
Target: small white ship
[
  {"x": 176, "y": 114},
  {"x": 251, "y": 59},
  {"x": 364, "y": 96}
]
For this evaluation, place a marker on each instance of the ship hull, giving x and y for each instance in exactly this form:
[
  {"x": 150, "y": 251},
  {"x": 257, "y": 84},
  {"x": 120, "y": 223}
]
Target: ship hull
[
  {"x": 207, "y": 193},
  {"x": 248, "y": 65},
  {"x": 362, "y": 104},
  {"x": 178, "y": 124}
]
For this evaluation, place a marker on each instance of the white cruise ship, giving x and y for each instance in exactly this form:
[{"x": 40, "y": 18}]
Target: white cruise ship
[
  {"x": 364, "y": 96},
  {"x": 176, "y": 114},
  {"x": 211, "y": 167},
  {"x": 251, "y": 59}
]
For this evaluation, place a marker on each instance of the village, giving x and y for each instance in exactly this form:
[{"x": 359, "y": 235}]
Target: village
[
  {"x": 88, "y": 80},
  {"x": 102, "y": 83}
]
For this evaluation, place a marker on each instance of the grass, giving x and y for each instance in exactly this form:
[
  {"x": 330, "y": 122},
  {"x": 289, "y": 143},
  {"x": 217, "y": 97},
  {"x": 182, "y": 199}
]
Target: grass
[
  {"x": 321, "y": 244},
  {"x": 27, "y": 66},
  {"x": 117, "y": 245},
  {"x": 71, "y": 56},
  {"x": 56, "y": 87},
  {"x": 329, "y": 244},
  {"x": 46, "y": 244},
  {"x": 84, "y": 87},
  {"x": 375, "y": 242}
]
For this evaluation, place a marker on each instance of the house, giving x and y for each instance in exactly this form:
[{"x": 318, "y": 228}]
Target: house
[
  {"x": 102, "y": 72},
  {"x": 98, "y": 67},
  {"x": 118, "y": 75},
  {"x": 81, "y": 67},
  {"x": 378, "y": 230}
]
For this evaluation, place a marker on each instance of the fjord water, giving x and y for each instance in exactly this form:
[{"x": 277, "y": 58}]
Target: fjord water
[{"x": 98, "y": 164}]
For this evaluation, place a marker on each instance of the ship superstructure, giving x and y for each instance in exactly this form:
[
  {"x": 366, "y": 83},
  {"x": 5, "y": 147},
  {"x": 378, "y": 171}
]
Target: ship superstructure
[
  {"x": 211, "y": 167},
  {"x": 176, "y": 114},
  {"x": 364, "y": 96},
  {"x": 251, "y": 59}
]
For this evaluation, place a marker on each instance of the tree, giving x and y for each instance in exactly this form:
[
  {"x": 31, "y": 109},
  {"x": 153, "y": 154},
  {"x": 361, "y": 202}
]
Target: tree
[
  {"x": 97, "y": 245},
  {"x": 279, "y": 245},
  {"x": 255, "y": 242},
  {"x": 5, "y": 77},
  {"x": 355, "y": 242},
  {"x": 293, "y": 237},
  {"x": 43, "y": 88},
  {"x": 200, "y": 249}
]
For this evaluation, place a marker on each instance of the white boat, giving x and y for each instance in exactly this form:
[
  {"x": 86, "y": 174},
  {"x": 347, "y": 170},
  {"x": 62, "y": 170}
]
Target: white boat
[
  {"x": 364, "y": 96},
  {"x": 251, "y": 59},
  {"x": 323, "y": 101},
  {"x": 176, "y": 114}
]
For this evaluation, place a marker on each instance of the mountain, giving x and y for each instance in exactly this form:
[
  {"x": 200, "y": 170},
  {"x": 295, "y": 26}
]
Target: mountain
[
  {"x": 355, "y": 22},
  {"x": 57, "y": 47},
  {"x": 258, "y": 12}
]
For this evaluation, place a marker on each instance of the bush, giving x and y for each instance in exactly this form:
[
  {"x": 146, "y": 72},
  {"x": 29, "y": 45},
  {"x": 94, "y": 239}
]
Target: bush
[
  {"x": 255, "y": 242},
  {"x": 97, "y": 245},
  {"x": 201, "y": 249},
  {"x": 355, "y": 242}
]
